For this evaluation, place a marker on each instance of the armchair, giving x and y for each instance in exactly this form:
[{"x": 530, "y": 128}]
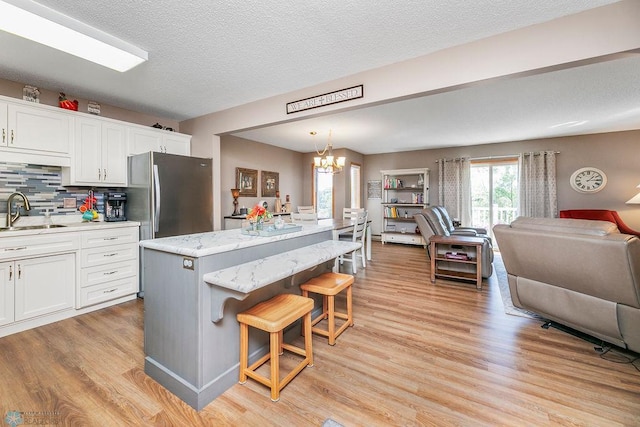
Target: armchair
[
  {"x": 430, "y": 222},
  {"x": 453, "y": 229}
]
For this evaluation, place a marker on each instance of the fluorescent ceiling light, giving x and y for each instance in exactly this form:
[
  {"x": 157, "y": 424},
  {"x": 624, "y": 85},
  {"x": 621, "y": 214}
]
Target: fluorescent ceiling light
[
  {"x": 33, "y": 21},
  {"x": 569, "y": 124}
]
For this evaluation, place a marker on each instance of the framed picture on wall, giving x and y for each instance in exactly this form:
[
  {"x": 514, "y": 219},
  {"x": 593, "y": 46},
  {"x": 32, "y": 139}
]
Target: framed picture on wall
[
  {"x": 374, "y": 189},
  {"x": 247, "y": 182},
  {"x": 269, "y": 183}
]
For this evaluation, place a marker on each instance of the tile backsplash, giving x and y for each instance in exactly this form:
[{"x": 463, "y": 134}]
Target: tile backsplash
[{"x": 43, "y": 187}]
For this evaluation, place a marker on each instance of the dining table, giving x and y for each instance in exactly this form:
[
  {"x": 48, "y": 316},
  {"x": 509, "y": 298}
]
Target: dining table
[{"x": 341, "y": 226}]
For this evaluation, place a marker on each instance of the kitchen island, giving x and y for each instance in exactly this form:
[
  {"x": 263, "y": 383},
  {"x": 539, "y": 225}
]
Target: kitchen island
[{"x": 196, "y": 284}]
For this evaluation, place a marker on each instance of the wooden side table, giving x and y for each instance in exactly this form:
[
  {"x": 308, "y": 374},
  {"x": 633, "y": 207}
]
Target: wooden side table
[{"x": 438, "y": 256}]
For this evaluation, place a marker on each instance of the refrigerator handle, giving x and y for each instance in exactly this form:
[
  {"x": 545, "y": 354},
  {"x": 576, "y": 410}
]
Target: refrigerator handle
[{"x": 156, "y": 187}]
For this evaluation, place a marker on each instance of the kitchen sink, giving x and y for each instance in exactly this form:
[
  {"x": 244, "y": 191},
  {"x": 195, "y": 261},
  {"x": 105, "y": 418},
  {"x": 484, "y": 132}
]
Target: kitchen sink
[{"x": 33, "y": 227}]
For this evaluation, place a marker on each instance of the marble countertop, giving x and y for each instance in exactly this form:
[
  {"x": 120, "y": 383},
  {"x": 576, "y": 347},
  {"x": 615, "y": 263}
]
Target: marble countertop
[
  {"x": 71, "y": 223},
  {"x": 253, "y": 275},
  {"x": 204, "y": 244}
]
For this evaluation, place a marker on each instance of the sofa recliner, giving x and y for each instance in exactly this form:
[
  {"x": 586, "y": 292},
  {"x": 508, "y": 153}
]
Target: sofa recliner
[
  {"x": 431, "y": 222},
  {"x": 583, "y": 274},
  {"x": 444, "y": 217}
]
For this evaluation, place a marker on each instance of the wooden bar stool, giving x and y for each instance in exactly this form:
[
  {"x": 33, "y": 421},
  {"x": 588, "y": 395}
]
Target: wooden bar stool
[
  {"x": 329, "y": 285},
  {"x": 273, "y": 316}
]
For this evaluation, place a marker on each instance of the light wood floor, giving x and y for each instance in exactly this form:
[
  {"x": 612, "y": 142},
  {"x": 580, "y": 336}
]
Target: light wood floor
[{"x": 419, "y": 354}]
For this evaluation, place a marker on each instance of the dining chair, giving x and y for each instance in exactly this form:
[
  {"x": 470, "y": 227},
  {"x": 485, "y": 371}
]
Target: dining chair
[
  {"x": 306, "y": 209},
  {"x": 357, "y": 236},
  {"x": 304, "y": 218},
  {"x": 352, "y": 213}
]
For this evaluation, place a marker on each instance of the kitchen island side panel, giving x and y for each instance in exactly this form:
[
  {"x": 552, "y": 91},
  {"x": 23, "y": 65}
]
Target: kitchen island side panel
[{"x": 186, "y": 352}]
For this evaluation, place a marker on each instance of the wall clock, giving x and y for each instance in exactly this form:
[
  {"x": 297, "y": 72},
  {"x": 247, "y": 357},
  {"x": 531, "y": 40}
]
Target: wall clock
[{"x": 588, "y": 180}]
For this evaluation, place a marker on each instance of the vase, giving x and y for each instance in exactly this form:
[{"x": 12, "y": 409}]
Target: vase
[{"x": 259, "y": 225}]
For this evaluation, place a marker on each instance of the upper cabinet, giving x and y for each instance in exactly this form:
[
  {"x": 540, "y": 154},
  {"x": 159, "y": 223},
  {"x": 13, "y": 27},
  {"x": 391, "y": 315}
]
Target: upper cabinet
[
  {"x": 33, "y": 133},
  {"x": 142, "y": 140},
  {"x": 91, "y": 150},
  {"x": 99, "y": 154}
]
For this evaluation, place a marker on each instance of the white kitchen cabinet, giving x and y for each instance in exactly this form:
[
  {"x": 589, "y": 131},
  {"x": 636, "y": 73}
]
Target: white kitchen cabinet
[
  {"x": 177, "y": 143},
  {"x": 109, "y": 264},
  {"x": 6, "y": 293},
  {"x": 142, "y": 140},
  {"x": 99, "y": 155},
  {"x": 4, "y": 124},
  {"x": 37, "y": 131},
  {"x": 38, "y": 275},
  {"x": 44, "y": 285}
]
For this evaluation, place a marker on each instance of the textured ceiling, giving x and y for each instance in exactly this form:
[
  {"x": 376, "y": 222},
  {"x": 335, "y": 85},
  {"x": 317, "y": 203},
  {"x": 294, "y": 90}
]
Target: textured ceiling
[{"x": 208, "y": 56}]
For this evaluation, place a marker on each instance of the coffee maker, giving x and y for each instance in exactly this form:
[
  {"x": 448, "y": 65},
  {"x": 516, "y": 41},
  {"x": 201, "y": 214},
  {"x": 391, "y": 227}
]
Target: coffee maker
[{"x": 114, "y": 202}]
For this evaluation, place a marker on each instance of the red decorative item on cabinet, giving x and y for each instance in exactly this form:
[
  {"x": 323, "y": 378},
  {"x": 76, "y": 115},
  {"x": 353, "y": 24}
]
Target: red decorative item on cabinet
[{"x": 63, "y": 102}]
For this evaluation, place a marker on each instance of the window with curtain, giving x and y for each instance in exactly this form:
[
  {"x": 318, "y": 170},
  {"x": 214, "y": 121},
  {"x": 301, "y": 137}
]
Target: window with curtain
[
  {"x": 454, "y": 188},
  {"x": 538, "y": 188},
  {"x": 494, "y": 192}
]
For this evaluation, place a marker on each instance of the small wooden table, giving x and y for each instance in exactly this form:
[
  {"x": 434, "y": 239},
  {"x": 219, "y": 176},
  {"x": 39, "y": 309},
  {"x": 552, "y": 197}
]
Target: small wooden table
[{"x": 465, "y": 241}]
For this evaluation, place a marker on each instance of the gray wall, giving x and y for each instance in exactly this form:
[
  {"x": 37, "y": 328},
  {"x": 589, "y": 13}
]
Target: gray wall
[
  {"x": 239, "y": 152},
  {"x": 617, "y": 154}
]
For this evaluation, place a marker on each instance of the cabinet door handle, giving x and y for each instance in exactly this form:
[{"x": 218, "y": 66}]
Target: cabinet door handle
[
  {"x": 110, "y": 254},
  {"x": 12, "y": 136},
  {"x": 105, "y": 174},
  {"x": 20, "y": 248},
  {"x": 19, "y": 271},
  {"x": 4, "y": 135},
  {"x": 99, "y": 174},
  {"x": 109, "y": 291},
  {"x": 110, "y": 238},
  {"x": 10, "y": 272},
  {"x": 109, "y": 273}
]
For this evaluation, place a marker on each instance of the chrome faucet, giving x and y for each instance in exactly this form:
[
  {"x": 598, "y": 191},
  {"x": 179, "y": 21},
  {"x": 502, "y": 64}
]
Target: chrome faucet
[{"x": 13, "y": 218}]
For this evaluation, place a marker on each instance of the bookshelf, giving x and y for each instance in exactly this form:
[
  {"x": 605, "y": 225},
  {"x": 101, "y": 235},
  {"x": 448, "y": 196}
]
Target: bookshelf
[{"x": 404, "y": 193}]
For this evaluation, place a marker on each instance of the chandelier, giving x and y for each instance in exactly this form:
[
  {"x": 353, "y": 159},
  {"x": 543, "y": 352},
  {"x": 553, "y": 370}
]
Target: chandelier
[{"x": 329, "y": 163}]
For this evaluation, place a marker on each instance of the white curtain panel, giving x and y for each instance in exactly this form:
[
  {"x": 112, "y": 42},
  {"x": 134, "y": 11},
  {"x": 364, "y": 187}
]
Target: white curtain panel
[
  {"x": 454, "y": 185},
  {"x": 538, "y": 189}
]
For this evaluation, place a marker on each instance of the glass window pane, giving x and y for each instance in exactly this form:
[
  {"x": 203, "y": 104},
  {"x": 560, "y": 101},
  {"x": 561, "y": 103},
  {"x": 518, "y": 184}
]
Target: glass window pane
[{"x": 324, "y": 194}]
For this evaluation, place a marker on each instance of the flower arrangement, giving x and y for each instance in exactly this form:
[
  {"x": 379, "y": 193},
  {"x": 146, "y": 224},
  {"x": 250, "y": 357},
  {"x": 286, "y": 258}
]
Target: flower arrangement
[{"x": 258, "y": 214}]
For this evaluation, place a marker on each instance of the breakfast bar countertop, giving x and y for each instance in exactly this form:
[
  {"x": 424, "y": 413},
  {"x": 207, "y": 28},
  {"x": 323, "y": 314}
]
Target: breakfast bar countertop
[{"x": 203, "y": 244}]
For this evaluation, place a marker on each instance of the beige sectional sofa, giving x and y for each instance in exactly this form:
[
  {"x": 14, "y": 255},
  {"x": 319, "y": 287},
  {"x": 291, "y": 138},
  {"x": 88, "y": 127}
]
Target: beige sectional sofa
[{"x": 580, "y": 273}]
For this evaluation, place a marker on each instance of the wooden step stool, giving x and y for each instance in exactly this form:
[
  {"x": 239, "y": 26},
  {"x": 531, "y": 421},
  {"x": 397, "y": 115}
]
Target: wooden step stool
[
  {"x": 273, "y": 316},
  {"x": 329, "y": 285}
]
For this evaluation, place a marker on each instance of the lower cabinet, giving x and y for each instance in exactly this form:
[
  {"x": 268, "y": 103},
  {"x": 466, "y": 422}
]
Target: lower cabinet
[
  {"x": 108, "y": 265},
  {"x": 38, "y": 291},
  {"x": 7, "y": 305},
  {"x": 49, "y": 277},
  {"x": 30, "y": 289}
]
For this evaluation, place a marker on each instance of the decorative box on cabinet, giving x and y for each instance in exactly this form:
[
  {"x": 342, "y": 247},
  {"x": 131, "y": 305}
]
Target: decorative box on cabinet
[
  {"x": 99, "y": 155},
  {"x": 404, "y": 193},
  {"x": 109, "y": 265}
]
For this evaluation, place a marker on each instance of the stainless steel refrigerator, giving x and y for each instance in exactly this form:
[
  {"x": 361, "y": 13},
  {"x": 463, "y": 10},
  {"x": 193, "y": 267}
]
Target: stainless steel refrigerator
[{"x": 169, "y": 195}]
